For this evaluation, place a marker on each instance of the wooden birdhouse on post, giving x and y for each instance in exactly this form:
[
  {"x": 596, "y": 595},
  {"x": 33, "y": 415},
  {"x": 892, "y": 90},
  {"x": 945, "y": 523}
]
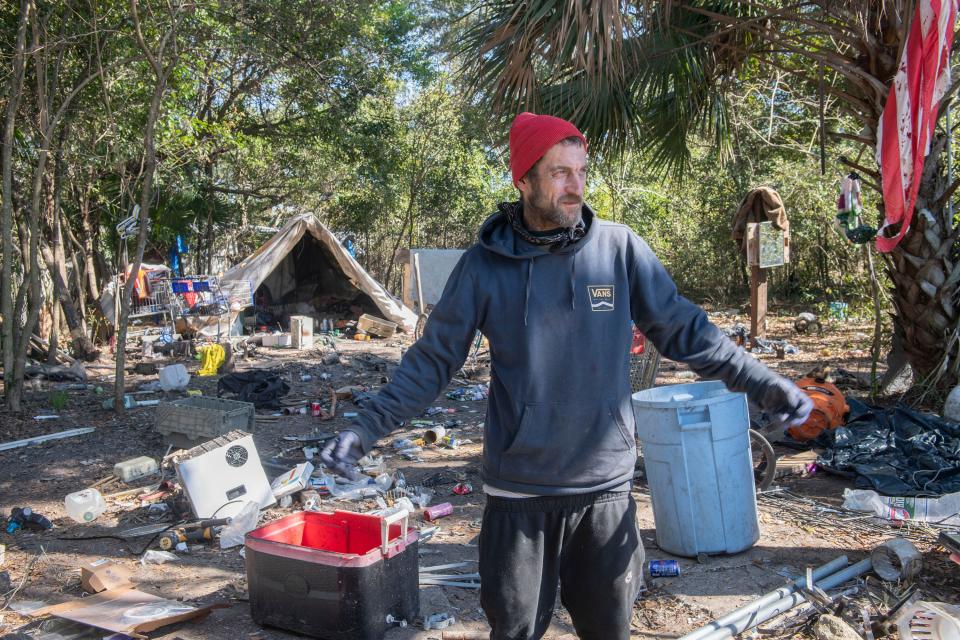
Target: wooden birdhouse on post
[{"x": 762, "y": 232}]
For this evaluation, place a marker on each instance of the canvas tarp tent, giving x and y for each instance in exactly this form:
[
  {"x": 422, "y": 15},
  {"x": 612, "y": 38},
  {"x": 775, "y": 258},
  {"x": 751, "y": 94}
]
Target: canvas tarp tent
[{"x": 304, "y": 262}]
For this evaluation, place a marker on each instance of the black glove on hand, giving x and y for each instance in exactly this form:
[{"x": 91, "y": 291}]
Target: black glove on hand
[
  {"x": 341, "y": 453},
  {"x": 786, "y": 404}
]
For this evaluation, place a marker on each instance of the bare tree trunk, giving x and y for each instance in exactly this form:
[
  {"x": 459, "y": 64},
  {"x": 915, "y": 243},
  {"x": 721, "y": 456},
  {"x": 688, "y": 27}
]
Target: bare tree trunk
[
  {"x": 55, "y": 260},
  {"x": 53, "y": 344},
  {"x": 162, "y": 74},
  {"x": 6, "y": 192},
  {"x": 88, "y": 245},
  {"x": 82, "y": 345},
  {"x": 32, "y": 264}
]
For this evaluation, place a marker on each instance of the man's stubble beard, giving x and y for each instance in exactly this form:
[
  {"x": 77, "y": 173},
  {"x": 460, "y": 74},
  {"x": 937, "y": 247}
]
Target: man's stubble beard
[{"x": 555, "y": 216}]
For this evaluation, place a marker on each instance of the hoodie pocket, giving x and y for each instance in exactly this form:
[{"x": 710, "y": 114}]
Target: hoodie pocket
[{"x": 569, "y": 444}]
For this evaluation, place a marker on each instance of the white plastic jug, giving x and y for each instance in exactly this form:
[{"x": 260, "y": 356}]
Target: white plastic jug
[
  {"x": 85, "y": 506},
  {"x": 696, "y": 448},
  {"x": 174, "y": 378}
]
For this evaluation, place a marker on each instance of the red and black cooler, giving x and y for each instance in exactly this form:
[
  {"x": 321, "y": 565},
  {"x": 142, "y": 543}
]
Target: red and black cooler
[{"x": 333, "y": 575}]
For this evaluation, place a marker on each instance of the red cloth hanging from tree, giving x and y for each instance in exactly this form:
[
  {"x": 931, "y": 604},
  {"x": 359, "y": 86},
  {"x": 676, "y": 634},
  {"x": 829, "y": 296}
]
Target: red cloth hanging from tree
[{"x": 910, "y": 115}]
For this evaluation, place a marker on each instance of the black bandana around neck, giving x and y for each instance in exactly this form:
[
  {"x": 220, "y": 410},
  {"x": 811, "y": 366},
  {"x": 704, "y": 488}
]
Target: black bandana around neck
[{"x": 560, "y": 239}]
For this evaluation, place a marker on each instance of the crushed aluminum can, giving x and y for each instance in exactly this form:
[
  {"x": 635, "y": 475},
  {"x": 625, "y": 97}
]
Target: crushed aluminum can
[{"x": 664, "y": 568}]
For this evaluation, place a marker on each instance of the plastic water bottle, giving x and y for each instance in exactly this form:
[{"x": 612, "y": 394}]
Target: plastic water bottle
[
  {"x": 942, "y": 510},
  {"x": 85, "y": 506}
]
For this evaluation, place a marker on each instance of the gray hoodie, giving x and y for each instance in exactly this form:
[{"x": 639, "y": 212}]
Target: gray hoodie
[{"x": 559, "y": 419}]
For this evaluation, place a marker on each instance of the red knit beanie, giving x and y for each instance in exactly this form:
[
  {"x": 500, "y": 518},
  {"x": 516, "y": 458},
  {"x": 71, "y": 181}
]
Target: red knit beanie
[{"x": 531, "y": 136}]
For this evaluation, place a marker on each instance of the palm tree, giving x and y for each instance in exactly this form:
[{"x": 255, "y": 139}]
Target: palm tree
[{"x": 651, "y": 74}]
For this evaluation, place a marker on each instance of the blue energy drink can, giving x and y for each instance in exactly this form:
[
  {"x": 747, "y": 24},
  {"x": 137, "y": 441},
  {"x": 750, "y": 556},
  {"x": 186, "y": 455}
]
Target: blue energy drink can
[{"x": 664, "y": 568}]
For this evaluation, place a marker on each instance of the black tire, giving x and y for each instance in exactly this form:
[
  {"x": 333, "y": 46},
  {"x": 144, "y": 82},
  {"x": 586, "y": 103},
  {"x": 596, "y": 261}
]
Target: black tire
[{"x": 764, "y": 460}]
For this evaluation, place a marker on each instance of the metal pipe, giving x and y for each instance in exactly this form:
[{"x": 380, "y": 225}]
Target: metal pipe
[
  {"x": 831, "y": 567},
  {"x": 785, "y": 604}
]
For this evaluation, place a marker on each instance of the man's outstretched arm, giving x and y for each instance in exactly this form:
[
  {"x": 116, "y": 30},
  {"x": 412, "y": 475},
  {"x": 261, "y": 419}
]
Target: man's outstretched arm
[{"x": 423, "y": 374}]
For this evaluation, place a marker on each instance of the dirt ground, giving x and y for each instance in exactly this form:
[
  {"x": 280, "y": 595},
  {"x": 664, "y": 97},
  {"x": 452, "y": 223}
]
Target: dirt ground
[{"x": 43, "y": 566}]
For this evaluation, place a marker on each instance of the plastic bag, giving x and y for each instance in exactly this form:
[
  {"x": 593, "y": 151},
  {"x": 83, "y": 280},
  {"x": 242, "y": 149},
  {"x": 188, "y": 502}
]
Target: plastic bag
[
  {"x": 174, "y": 378},
  {"x": 242, "y": 523},
  {"x": 152, "y": 556},
  {"x": 895, "y": 451}
]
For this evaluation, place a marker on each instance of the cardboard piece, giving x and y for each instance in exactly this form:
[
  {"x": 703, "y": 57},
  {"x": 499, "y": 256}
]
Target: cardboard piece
[
  {"x": 126, "y": 611},
  {"x": 102, "y": 575}
]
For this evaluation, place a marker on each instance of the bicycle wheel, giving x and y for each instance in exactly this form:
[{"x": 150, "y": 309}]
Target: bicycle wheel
[{"x": 764, "y": 460}]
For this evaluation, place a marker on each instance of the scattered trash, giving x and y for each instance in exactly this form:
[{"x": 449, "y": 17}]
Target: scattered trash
[
  {"x": 85, "y": 505},
  {"x": 463, "y": 488},
  {"x": 152, "y": 556},
  {"x": 774, "y": 603},
  {"x": 153, "y": 386},
  {"x": 212, "y": 357},
  {"x": 830, "y": 409},
  {"x": 438, "y": 621},
  {"x": 944, "y": 510},
  {"x": 896, "y": 451},
  {"x": 221, "y": 475},
  {"x": 50, "y": 417},
  {"x": 245, "y": 521},
  {"x": 25, "y": 518},
  {"x": 922, "y": 620},
  {"x": 203, "y": 531},
  {"x": 434, "y": 576},
  {"x": 400, "y": 622},
  {"x": 261, "y": 387},
  {"x": 125, "y": 610},
  {"x": 174, "y": 378},
  {"x": 807, "y": 322},
  {"x": 146, "y": 530},
  {"x": 896, "y": 559},
  {"x": 663, "y": 568},
  {"x": 103, "y": 574},
  {"x": 26, "y": 442},
  {"x": 294, "y": 481},
  {"x": 438, "y": 511},
  {"x": 838, "y": 310},
  {"x": 433, "y": 435},
  {"x": 129, "y": 402},
  {"x": 475, "y": 393},
  {"x": 432, "y": 411},
  {"x": 135, "y": 468}
]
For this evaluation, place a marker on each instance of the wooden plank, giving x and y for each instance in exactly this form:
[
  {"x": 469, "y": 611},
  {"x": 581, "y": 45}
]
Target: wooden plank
[{"x": 758, "y": 302}]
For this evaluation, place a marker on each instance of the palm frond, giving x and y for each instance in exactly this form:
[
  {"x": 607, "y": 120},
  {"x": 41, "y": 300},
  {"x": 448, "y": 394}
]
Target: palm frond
[{"x": 646, "y": 74}]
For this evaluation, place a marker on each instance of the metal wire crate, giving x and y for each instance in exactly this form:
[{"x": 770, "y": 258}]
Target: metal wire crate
[{"x": 644, "y": 366}]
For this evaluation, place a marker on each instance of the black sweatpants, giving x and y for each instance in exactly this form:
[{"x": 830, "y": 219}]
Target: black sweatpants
[{"x": 589, "y": 543}]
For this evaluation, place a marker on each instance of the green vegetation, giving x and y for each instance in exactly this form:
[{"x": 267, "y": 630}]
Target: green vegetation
[{"x": 213, "y": 118}]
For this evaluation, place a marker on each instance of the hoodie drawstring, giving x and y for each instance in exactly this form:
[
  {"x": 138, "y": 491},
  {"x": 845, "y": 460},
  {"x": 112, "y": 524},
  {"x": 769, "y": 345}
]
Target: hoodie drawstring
[
  {"x": 573, "y": 280},
  {"x": 526, "y": 300}
]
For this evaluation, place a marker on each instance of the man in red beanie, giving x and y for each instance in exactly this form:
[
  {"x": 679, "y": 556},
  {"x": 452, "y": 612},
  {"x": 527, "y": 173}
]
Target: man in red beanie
[{"x": 554, "y": 289}]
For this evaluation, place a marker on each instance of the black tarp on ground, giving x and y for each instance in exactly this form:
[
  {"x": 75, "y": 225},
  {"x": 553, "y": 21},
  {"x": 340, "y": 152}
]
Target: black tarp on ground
[{"x": 896, "y": 451}]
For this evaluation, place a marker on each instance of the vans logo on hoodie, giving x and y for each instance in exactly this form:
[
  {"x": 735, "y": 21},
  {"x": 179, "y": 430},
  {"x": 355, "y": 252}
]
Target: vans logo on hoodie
[{"x": 601, "y": 297}]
